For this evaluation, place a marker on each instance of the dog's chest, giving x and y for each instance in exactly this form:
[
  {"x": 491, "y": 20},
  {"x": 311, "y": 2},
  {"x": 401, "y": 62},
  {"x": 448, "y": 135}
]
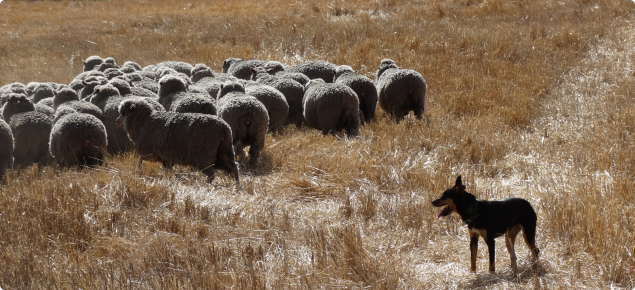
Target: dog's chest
[{"x": 478, "y": 232}]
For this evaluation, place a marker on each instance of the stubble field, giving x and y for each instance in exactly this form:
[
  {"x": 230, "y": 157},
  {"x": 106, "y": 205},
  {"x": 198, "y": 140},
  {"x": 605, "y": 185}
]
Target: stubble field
[{"x": 528, "y": 99}]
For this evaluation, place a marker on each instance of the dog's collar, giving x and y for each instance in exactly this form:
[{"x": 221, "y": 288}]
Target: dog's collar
[{"x": 473, "y": 214}]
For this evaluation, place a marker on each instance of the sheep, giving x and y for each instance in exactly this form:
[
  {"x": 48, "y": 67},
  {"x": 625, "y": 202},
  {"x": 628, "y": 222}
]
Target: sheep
[
  {"x": 363, "y": 87},
  {"x": 89, "y": 85},
  {"x": 6, "y": 148},
  {"x": 41, "y": 91},
  {"x": 42, "y": 108},
  {"x": 68, "y": 97},
  {"x": 278, "y": 69},
  {"x": 92, "y": 62},
  {"x": 108, "y": 63},
  {"x": 140, "y": 81},
  {"x": 30, "y": 130},
  {"x": 199, "y": 140},
  {"x": 77, "y": 139},
  {"x": 107, "y": 98},
  {"x": 123, "y": 87},
  {"x": 274, "y": 101},
  {"x": 400, "y": 90},
  {"x": 78, "y": 82},
  {"x": 47, "y": 102},
  {"x": 16, "y": 87},
  {"x": 130, "y": 66},
  {"x": 174, "y": 97},
  {"x": 179, "y": 66},
  {"x": 205, "y": 78},
  {"x": 331, "y": 107},
  {"x": 113, "y": 73},
  {"x": 201, "y": 71},
  {"x": 247, "y": 118},
  {"x": 240, "y": 68},
  {"x": 293, "y": 93},
  {"x": 314, "y": 70}
]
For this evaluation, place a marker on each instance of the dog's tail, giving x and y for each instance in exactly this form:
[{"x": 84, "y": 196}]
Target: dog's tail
[{"x": 529, "y": 223}]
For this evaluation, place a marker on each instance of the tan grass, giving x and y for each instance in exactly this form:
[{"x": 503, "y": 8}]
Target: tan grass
[{"x": 526, "y": 98}]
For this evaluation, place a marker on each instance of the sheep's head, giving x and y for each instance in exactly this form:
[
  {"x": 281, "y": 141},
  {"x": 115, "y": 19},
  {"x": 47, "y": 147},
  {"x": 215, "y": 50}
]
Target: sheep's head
[
  {"x": 103, "y": 92},
  {"x": 257, "y": 72},
  {"x": 273, "y": 67},
  {"x": 384, "y": 65},
  {"x": 230, "y": 87},
  {"x": 64, "y": 95},
  {"x": 171, "y": 84},
  {"x": 342, "y": 69},
  {"x": 92, "y": 62},
  {"x": 15, "y": 104},
  {"x": 131, "y": 111},
  {"x": 201, "y": 71},
  {"x": 228, "y": 63}
]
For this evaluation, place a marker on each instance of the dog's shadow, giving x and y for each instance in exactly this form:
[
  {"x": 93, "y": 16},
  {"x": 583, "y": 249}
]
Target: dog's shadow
[{"x": 526, "y": 274}]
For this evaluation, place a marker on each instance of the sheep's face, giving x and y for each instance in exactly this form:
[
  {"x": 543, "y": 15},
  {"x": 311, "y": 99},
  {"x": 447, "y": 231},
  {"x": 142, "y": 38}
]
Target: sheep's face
[{"x": 126, "y": 111}]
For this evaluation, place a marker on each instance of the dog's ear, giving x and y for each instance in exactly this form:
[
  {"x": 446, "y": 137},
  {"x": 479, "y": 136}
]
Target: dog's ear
[{"x": 459, "y": 185}]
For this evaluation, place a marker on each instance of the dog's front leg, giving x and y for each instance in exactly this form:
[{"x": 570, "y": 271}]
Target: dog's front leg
[
  {"x": 474, "y": 249},
  {"x": 492, "y": 251}
]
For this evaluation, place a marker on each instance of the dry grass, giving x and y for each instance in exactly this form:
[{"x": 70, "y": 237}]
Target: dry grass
[{"x": 526, "y": 98}]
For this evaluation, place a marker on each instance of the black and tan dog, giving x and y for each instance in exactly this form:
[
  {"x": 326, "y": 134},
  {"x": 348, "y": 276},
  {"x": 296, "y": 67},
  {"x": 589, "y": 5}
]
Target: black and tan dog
[{"x": 491, "y": 219}]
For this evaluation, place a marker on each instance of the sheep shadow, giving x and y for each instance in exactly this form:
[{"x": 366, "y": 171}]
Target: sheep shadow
[{"x": 525, "y": 275}]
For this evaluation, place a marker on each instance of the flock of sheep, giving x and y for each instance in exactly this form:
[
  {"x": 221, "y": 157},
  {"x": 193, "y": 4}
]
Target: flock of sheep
[{"x": 176, "y": 113}]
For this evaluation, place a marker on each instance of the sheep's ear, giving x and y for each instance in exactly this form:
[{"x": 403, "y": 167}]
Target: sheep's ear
[
  {"x": 252, "y": 70},
  {"x": 271, "y": 69},
  {"x": 334, "y": 72}
]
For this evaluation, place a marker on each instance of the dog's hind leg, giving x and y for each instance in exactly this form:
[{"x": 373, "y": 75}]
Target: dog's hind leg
[
  {"x": 473, "y": 250},
  {"x": 510, "y": 241}
]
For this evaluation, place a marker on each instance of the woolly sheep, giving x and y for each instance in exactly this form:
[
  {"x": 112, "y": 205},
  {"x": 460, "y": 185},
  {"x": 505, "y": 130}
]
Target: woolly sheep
[
  {"x": 42, "y": 91},
  {"x": 274, "y": 101},
  {"x": 143, "y": 82},
  {"x": 293, "y": 93},
  {"x": 107, "y": 98},
  {"x": 400, "y": 90},
  {"x": 240, "y": 68},
  {"x": 199, "y": 140},
  {"x": 6, "y": 148},
  {"x": 30, "y": 130},
  {"x": 92, "y": 62},
  {"x": 42, "y": 108},
  {"x": 68, "y": 97},
  {"x": 331, "y": 107},
  {"x": 179, "y": 66},
  {"x": 278, "y": 69},
  {"x": 16, "y": 87},
  {"x": 173, "y": 96},
  {"x": 247, "y": 118},
  {"x": 89, "y": 85},
  {"x": 363, "y": 87},
  {"x": 314, "y": 70},
  {"x": 77, "y": 139},
  {"x": 47, "y": 102},
  {"x": 113, "y": 73},
  {"x": 78, "y": 82},
  {"x": 108, "y": 63},
  {"x": 122, "y": 86},
  {"x": 130, "y": 66},
  {"x": 205, "y": 78}
]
